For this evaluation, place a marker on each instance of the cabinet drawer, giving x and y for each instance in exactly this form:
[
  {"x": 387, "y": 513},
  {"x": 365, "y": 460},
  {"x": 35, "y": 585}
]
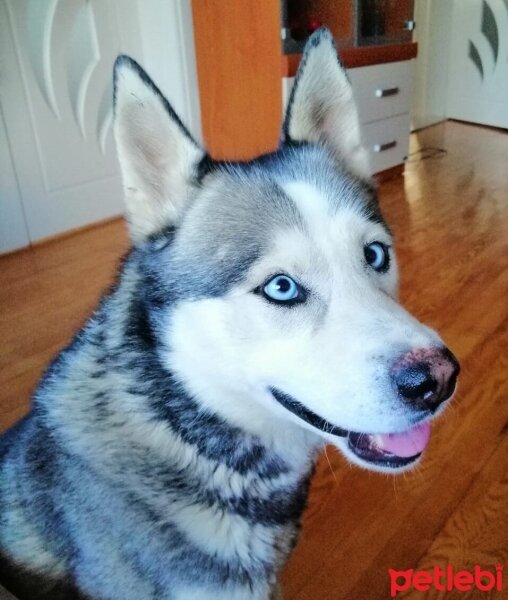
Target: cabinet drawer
[
  {"x": 386, "y": 142},
  {"x": 382, "y": 90}
]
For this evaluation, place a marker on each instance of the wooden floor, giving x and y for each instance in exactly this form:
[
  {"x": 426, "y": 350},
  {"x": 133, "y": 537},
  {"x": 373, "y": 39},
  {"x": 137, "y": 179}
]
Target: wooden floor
[{"x": 450, "y": 217}]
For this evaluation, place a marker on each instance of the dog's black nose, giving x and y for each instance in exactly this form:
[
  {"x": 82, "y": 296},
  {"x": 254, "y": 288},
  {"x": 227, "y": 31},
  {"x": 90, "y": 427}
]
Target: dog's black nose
[
  {"x": 415, "y": 382},
  {"x": 425, "y": 378}
]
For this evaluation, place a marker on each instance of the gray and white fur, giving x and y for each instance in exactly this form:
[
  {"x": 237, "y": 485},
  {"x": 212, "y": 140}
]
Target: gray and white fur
[{"x": 170, "y": 446}]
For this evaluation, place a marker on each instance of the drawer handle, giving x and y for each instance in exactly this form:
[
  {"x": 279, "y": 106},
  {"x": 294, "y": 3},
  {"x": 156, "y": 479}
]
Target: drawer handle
[
  {"x": 383, "y": 147},
  {"x": 383, "y": 92}
]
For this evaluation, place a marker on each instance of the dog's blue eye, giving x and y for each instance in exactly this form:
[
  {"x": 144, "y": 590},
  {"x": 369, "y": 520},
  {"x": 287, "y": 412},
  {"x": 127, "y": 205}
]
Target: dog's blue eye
[
  {"x": 282, "y": 289},
  {"x": 377, "y": 256}
]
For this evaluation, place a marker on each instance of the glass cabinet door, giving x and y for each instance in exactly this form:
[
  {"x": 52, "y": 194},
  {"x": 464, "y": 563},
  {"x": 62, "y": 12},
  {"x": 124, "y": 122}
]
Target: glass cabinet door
[
  {"x": 301, "y": 17},
  {"x": 384, "y": 21},
  {"x": 352, "y": 22}
]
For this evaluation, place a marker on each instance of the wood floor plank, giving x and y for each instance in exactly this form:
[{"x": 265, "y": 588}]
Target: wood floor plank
[{"x": 476, "y": 532}]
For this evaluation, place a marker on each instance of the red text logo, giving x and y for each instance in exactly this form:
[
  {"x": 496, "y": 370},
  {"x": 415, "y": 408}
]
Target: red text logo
[{"x": 446, "y": 580}]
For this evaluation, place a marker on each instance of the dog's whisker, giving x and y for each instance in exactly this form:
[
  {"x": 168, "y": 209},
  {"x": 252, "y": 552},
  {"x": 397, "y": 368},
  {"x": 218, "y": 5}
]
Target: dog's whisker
[{"x": 330, "y": 465}]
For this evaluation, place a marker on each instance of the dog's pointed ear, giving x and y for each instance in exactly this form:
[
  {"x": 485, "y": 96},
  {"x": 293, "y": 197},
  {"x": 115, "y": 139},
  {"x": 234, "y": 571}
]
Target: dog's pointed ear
[
  {"x": 321, "y": 107},
  {"x": 157, "y": 155}
]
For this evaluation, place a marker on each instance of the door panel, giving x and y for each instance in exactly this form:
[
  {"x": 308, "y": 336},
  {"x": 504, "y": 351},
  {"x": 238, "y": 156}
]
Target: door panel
[
  {"x": 478, "y": 67},
  {"x": 13, "y": 231},
  {"x": 57, "y": 58}
]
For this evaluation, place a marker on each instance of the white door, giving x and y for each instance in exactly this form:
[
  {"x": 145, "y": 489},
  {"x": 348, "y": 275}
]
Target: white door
[
  {"x": 56, "y": 60},
  {"x": 433, "y": 25},
  {"x": 478, "y": 63}
]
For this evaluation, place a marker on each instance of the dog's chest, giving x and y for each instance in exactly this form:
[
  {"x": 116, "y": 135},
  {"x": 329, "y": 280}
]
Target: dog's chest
[
  {"x": 227, "y": 533},
  {"x": 245, "y": 535}
]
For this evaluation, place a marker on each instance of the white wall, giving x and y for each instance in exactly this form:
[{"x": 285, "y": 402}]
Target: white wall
[{"x": 433, "y": 31}]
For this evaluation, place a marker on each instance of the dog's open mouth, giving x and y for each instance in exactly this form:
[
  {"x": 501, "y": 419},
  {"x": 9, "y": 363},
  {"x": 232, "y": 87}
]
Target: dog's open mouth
[{"x": 392, "y": 450}]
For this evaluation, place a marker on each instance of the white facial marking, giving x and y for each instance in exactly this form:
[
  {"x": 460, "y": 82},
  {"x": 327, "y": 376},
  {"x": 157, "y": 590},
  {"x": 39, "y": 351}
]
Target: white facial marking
[{"x": 311, "y": 202}]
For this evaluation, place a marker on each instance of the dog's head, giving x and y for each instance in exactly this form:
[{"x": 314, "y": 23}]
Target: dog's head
[{"x": 272, "y": 284}]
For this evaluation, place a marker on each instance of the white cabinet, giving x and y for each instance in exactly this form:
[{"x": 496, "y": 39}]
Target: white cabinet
[
  {"x": 383, "y": 96},
  {"x": 382, "y": 91},
  {"x": 386, "y": 141}
]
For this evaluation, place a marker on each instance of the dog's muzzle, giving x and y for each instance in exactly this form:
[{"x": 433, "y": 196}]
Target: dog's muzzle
[{"x": 423, "y": 379}]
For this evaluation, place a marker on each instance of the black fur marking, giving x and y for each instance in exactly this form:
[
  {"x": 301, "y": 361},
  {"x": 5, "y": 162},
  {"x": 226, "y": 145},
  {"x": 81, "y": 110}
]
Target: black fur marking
[
  {"x": 206, "y": 166},
  {"x": 212, "y": 436},
  {"x": 219, "y": 572},
  {"x": 139, "y": 329},
  {"x": 98, "y": 374},
  {"x": 160, "y": 240},
  {"x": 42, "y": 477},
  {"x": 281, "y": 507},
  {"x": 310, "y": 417}
]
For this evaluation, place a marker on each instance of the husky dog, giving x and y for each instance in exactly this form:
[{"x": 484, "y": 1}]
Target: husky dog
[{"x": 170, "y": 446}]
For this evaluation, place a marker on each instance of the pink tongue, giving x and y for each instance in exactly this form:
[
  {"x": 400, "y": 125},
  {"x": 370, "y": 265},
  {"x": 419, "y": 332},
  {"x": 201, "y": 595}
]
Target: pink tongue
[{"x": 408, "y": 443}]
